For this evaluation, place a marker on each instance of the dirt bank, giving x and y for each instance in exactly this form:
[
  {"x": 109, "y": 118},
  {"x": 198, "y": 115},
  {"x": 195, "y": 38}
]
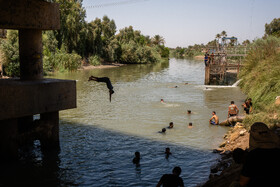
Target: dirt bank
[
  {"x": 102, "y": 66},
  {"x": 225, "y": 171},
  {"x": 199, "y": 57}
]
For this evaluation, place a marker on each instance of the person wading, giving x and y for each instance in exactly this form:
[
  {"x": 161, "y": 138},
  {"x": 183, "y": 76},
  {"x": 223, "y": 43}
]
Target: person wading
[{"x": 232, "y": 110}]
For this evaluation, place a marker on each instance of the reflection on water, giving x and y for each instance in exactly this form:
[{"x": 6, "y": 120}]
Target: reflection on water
[{"x": 99, "y": 138}]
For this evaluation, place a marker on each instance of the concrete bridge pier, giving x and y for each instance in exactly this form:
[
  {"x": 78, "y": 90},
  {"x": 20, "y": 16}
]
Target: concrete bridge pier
[
  {"x": 30, "y": 52},
  {"x": 29, "y": 106}
]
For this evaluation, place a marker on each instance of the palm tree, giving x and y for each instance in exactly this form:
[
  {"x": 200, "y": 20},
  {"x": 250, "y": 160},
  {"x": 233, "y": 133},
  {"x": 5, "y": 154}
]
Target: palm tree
[
  {"x": 224, "y": 33},
  {"x": 218, "y": 36},
  {"x": 158, "y": 40}
]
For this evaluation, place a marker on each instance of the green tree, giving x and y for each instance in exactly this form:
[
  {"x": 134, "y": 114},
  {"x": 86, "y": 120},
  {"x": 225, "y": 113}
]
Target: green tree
[
  {"x": 72, "y": 19},
  {"x": 10, "y": 54},
  {"x": 218, "y": 36},
  {"x": 246, "y": 42},
  {"x": 224, "y": 34},
  {"x": 158, "y": 40},
  {"x": 273, "y": 28}
]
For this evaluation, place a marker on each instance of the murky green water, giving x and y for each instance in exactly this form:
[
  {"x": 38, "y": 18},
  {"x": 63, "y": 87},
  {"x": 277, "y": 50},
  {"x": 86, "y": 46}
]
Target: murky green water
[{"x": 98, "y": 138}]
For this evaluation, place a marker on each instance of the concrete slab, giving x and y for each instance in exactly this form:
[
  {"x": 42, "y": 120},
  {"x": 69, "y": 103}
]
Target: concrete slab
[
  {"x": 24, "y": 98},
  {"x": 29, "y": 14}
]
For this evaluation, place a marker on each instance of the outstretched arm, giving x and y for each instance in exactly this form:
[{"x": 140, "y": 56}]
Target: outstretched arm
[
  {"x": 237, "y": 110},
  {"x": 211, "y": 119},
  {"x": 92, "y": 78},
  {"x": 159, "y": 183}
]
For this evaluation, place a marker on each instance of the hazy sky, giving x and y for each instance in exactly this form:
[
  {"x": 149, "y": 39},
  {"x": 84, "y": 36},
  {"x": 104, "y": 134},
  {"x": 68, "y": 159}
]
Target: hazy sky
[{"x": 188, "y": 22}]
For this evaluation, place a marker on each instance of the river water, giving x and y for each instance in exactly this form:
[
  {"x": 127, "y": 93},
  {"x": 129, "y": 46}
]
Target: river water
[{"x": 98, "y": 138}]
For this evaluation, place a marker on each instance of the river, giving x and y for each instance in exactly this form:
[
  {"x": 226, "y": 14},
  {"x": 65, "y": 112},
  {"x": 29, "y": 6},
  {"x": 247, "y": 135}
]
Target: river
[{"x": 98, "y": 138}]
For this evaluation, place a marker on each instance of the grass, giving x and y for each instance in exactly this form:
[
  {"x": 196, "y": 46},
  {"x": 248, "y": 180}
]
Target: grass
[{"x": 261, "y": 80}]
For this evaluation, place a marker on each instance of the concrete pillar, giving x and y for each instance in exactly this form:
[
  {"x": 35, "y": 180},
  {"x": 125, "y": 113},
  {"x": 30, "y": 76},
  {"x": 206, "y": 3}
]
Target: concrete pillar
[
  {"x": 30, "y": 52},
  {"x": 49, "y": 137},
  {"x": 9, "y": 139},
  {"x": 207, "y": 75}
]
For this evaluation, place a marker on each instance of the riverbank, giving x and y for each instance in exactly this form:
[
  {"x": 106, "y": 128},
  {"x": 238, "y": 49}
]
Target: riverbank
[
  {"x": 225, "y": 171},
  {"x": 260, "y": 81},
  {"x": 199, "y": 57},
  {"x": 101, "y": 66}
]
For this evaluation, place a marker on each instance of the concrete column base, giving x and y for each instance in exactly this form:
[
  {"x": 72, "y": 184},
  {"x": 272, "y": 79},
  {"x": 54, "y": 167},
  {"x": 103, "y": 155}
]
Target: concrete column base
[
  {"x": 9, "y": 139},
  {"x": 49, "y": 134}
]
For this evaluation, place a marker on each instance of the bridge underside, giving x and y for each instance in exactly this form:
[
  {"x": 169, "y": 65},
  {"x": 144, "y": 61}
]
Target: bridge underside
[{"x": 30, "y": 105}]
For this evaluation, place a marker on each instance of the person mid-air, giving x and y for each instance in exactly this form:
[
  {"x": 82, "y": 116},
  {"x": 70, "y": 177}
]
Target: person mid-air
[{"x": 107, "y": 81}]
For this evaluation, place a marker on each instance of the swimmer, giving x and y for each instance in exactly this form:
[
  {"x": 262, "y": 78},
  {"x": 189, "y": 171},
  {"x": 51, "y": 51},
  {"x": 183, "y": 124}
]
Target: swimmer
[
  {"x": 167, "y": 152},
  {"x": 136, "y": 159},
  {"x": 162, "y": 101},
  {"x": 186, "y": 83},
  {"x": 107, "y": 81},
  {"x": 171, "y": 179},
  {"x": 162, "y": 130},
  {"x": 214, "y": 120},
  {"x": 189, "y": 111},
  {"x": 190, "y": 126},
  {"x": 170, "y": 125}
]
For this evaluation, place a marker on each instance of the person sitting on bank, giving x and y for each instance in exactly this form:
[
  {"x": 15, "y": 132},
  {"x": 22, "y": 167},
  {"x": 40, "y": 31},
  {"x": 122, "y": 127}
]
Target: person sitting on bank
[
  {"x": 261, "y": 166},
  {"x": 107, "y": 81},
  {"x": 232, "y": 110},
  {"x": 248, "y": 106},
  {"x": 214, "y": 120},
  {"x": 136, "y": 159},
  {"x": 171, "y": 125},
  {"x": 172, "y": 179}
]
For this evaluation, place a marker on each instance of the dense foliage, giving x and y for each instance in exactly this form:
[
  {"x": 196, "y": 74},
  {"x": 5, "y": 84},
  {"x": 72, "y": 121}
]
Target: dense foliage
[
  {"x": 273, "y": 28},
  {"x": 98, "y": 38},
  {"x": 261, "y": 79},
  {"x": 10, "y": 54},
  {"x": 94, "y": 42}
]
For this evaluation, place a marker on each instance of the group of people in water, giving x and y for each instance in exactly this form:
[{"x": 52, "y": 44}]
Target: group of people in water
[
  {"x": 174, "y": 179},
  {"x": 171, "y": 124},
  {"x": 233, "y": 111}
]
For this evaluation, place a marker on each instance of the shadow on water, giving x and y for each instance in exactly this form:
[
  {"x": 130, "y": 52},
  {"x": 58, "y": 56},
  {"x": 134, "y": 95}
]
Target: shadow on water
[
  {"x": 98, "y": 138},
  {"x": 92, "y": 156}
]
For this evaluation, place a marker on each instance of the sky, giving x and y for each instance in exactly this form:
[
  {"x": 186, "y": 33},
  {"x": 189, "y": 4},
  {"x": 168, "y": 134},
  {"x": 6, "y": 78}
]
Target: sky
[{"x": 188, "y": 22}]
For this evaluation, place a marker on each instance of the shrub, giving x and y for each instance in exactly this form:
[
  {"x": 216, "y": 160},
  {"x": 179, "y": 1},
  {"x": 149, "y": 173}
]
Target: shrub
[
  {"x": 94, "y": 60},
  {"x": 61, "y": 61},
  {"x": 10, "y": 53},
  {"x": 260, "y": 74},
  {"x": 134, "y": 53}
]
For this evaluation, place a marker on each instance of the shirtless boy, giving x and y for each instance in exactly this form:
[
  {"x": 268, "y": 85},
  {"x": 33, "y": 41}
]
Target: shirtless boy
[
  {"x": 214, "y": 120},
  {"x": 232, "y": 110}
]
